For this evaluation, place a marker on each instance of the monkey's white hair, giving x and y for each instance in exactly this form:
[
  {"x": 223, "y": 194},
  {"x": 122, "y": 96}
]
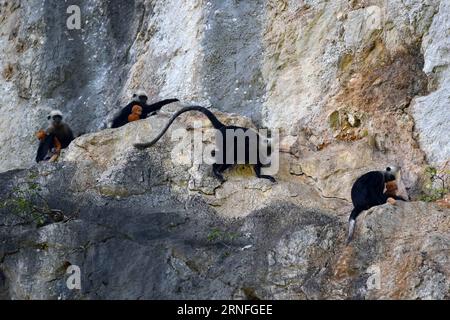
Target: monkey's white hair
[
  {"x": 55, "y": 112},
  {"x": 351, "y": 230},
  {"x": 395, "y": 170},
  {"x": 140, "y": 92}
]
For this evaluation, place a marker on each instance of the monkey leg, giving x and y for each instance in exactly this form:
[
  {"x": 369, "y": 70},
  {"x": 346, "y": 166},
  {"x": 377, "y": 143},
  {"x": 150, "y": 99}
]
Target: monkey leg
[
  {"x": 58, "y": 145},
  {"x": 257, "y": 168},
  {"x": 57, "y": 150},
  {"x": 54, "y": 158}
]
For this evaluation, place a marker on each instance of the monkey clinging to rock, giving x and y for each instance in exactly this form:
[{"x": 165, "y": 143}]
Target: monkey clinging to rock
[
  {"x": 368, "y": 191},
  {"x": 227, "y": 144},
  {"x": 59, "y": 128},
  {"x": 131, "y": 111},
  {"x": 58, "y": 136}
]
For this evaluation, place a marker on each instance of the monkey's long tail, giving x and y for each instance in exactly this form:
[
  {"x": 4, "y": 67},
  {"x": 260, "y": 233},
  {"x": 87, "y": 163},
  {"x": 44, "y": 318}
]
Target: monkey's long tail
[
  {"x": 158, "y": 105},
  {"x": 215, "y": 122},
  {"x": 351, "y": 223}
]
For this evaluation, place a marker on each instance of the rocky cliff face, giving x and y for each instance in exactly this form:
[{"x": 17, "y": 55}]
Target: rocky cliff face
[
  {"x": 141, "y": 226},
  {"x": 351, "y": 86}
]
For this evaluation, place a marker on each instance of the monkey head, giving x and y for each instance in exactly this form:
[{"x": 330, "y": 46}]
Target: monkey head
[
  {"x": 391, "y": 173},
  {"x": 55, "y": 117},
  {"x": 137, "y": 110},
  {"x": 140, "y": 96}
]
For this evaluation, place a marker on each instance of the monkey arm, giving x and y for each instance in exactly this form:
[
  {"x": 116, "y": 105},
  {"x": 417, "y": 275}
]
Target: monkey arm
[
  {"x": 149, "y": 109},
  {"x": 57, "y": 147}
]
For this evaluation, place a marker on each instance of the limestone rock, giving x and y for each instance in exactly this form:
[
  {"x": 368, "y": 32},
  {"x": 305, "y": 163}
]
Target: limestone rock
[
  {"x": 431, "y": 112},
  {"x": 158, "y": 245}
]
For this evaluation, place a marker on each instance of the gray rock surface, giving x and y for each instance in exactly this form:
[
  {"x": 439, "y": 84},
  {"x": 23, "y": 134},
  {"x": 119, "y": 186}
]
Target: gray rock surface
[
  {"x": 431, "y": 112},
  {"x": 154, "y": 246}
]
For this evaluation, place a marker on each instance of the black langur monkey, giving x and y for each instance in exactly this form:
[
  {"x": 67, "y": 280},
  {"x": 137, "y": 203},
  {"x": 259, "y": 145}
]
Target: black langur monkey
[
  {"x": 224, "y": 145},
  {"x": 368, "y": 191},
  {"x": 57, "y": 136},
  {"x": 60, "y": 129},
  {"x": 139, "y": 99}
]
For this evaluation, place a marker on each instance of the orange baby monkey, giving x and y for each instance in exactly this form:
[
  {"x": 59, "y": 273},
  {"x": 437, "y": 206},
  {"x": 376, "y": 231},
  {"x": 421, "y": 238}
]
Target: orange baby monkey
[
  {"x": 41, "y": 135},
  {"x": 49, "y": 146},
  {"x": 136, "y": 113},
  {"x": 391, "y": 192}
]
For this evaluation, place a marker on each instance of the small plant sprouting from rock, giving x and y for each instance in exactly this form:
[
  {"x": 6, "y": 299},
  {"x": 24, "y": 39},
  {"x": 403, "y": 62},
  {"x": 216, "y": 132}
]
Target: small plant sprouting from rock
[
  {"x": 437, "y": 186},
  {"x": 27, "y": 202},
  {"x": 219, "y": 235},
  {"x": 214, "y": 234}
]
